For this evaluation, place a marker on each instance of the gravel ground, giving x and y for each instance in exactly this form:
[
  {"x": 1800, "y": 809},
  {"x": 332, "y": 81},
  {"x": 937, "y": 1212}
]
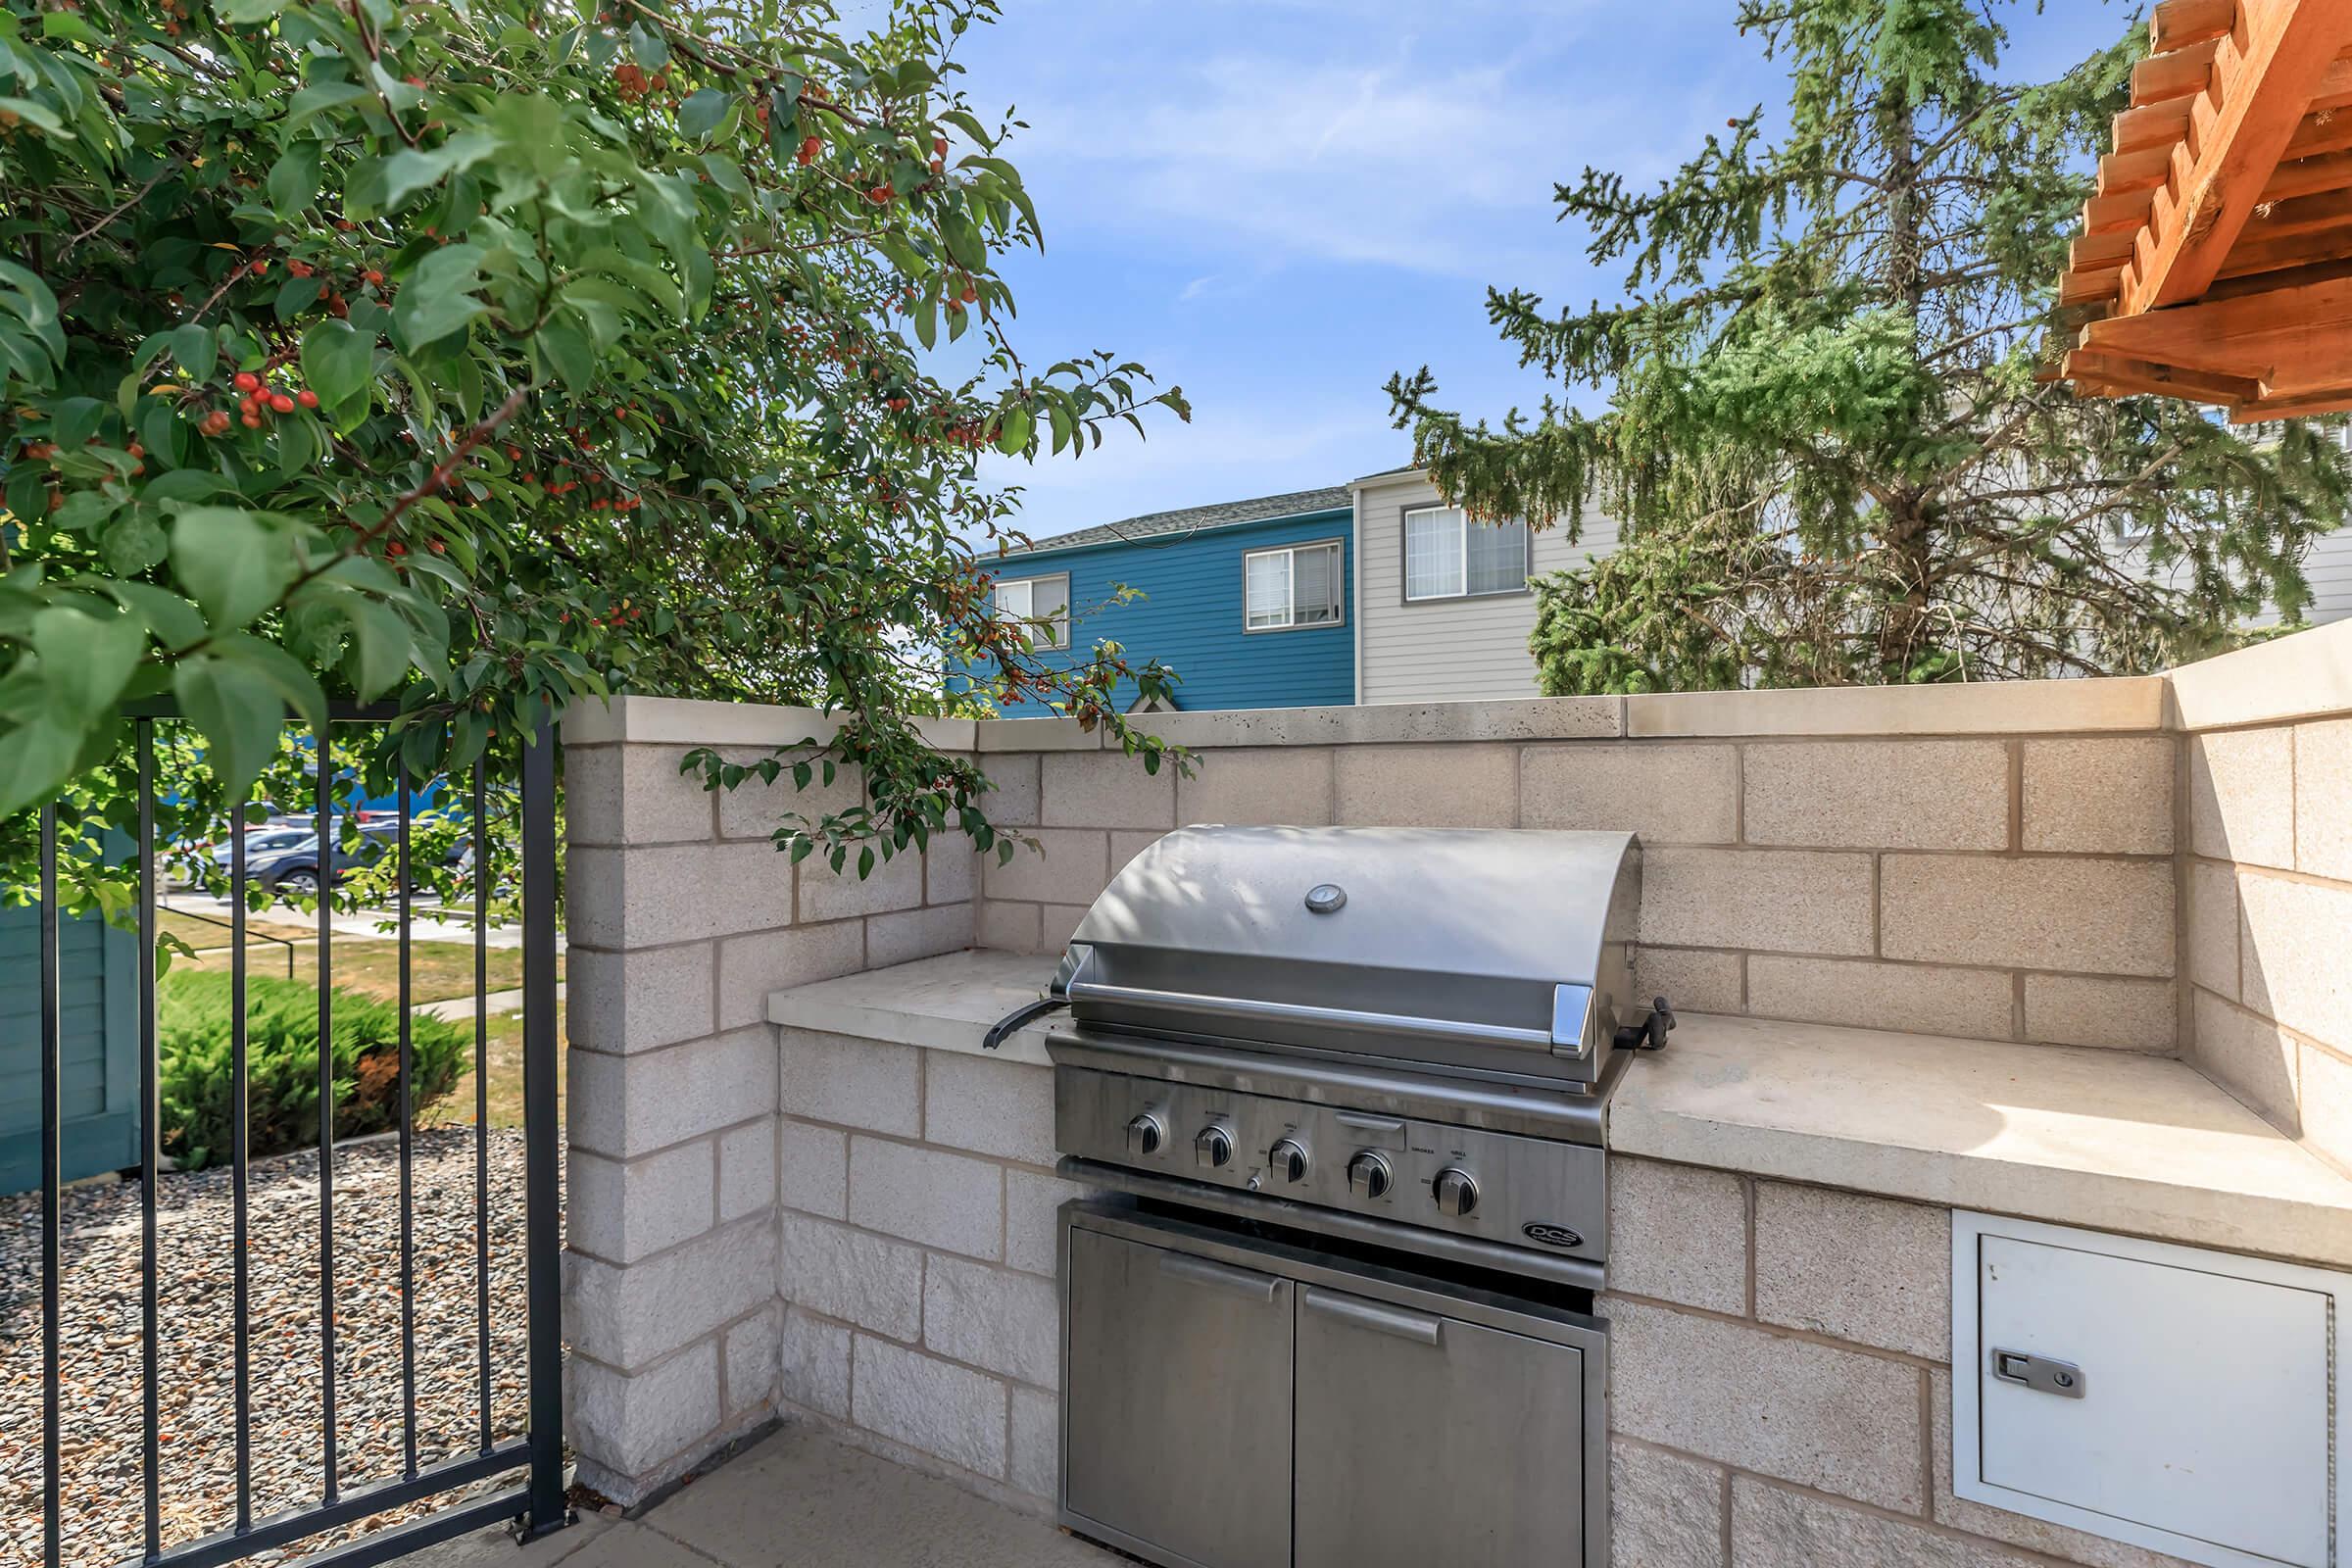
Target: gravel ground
[{"x": 103, "y": 1515}]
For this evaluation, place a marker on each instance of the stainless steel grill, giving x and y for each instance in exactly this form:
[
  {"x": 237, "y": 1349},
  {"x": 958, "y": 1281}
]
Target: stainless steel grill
[{"x": 1349, "y": 1088}]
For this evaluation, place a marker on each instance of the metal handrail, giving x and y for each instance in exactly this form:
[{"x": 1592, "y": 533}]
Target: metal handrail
[{"x": 230, "y": 927}]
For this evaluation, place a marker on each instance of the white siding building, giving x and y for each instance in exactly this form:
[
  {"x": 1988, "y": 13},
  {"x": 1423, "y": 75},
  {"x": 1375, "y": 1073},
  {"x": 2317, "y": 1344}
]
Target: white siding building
[{"x": 1442, "y": 610}]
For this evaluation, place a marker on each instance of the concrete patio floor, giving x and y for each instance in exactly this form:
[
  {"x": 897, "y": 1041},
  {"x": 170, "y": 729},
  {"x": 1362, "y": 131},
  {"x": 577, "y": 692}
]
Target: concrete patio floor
[{"x": 798, "y": 1500}]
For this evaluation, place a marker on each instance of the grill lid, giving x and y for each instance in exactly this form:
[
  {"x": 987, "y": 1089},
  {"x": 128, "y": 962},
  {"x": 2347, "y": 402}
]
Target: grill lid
[{"x": 1494, "y": 952}]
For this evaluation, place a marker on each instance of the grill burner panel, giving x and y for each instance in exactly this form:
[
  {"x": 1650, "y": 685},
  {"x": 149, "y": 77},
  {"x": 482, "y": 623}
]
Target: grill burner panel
[{"x": 1466, "y": 1180}]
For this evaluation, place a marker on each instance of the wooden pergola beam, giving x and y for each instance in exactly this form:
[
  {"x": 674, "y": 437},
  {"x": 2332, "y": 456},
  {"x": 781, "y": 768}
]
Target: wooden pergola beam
[
  {"x": 2113, "y": 375},
  {"x": 2270, "y": 68}
]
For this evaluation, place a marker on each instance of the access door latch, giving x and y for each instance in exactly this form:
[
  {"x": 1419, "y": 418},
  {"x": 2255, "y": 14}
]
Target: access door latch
[{"x": 2039, "y": 1372}]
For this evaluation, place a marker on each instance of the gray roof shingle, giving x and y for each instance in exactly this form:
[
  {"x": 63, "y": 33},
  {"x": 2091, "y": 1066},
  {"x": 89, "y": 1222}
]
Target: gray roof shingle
[{"x": 1192, "y": 519}]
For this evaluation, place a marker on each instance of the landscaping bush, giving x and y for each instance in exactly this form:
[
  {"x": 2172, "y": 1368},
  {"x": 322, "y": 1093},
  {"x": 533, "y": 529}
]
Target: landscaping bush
[{"x": 281, "y": 1094}]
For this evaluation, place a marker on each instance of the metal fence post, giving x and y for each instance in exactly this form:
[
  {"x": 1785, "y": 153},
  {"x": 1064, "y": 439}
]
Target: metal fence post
[{"x": 542, "y": 1201}]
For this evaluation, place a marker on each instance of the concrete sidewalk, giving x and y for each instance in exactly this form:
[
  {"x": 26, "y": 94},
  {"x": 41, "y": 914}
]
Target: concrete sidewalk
[{"x": 799, "y": 1499}]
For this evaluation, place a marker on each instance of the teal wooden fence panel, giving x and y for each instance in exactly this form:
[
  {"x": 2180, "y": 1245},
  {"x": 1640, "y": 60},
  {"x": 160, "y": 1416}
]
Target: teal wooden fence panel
[{"x": 98, "y": 968}]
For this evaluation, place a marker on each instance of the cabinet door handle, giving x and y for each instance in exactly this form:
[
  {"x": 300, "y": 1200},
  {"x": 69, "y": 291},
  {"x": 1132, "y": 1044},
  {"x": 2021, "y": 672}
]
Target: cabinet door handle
[
  {"x": 1220, "y": 1276},
  {"x": 1377, "y": 1317}
]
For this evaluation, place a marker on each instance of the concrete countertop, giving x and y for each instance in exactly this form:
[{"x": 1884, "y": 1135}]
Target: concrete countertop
[
  {"x": 2105, "y": 1139},
  {"x": 941, "y": 1004}
]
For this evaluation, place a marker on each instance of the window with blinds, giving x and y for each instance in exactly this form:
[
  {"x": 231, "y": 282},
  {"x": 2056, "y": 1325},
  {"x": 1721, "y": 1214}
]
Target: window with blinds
[
  {"x": 1446, "y": 556},
  {"x": 1043, "y": 603},
  {"x": 1295, "y": 585}
]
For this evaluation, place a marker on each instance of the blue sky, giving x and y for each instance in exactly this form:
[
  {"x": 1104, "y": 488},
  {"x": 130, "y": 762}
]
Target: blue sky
[{"x": 1278, "y": 202}]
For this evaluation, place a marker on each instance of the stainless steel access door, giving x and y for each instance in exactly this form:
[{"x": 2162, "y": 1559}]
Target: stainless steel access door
[
  {"x": 1424, "y": 1438},
  {"x": 1177, "y": 1435}
]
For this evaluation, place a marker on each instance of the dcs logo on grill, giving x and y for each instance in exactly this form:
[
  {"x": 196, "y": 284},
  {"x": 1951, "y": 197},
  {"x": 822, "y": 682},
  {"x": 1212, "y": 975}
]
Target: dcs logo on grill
[{"x": 1551, "y": 1235}]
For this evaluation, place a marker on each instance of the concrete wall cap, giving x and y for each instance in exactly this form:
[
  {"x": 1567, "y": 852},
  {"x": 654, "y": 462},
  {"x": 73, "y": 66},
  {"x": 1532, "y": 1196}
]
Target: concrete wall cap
[
  {"x": 695, "y": 722},
  {"x": 2305, "y": 675}
]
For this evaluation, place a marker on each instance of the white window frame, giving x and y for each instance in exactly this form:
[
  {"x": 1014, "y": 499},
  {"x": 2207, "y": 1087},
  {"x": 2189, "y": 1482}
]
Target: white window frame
[
  {"x": 1059, "y": 629},
  {"x": 1290, "y": 553},
  {"x": 1461, "y": 553}
]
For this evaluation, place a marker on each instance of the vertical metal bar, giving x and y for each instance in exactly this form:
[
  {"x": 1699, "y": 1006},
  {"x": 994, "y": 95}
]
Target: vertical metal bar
[
  {"x": 322, "y": 821},
  {"x": 237, "y": 1153},
  {"x": 481, "y": 1098},
  {"x": 542, "y": 1194},
  {"x": 52, "y": 1110},
  {"x": 150, "y": 1328},
  {"x": 407, "y": 1156}
]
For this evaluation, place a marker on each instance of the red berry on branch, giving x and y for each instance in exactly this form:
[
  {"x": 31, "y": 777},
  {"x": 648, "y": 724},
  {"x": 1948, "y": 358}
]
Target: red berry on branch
[
  {"x": 878, "y": 195},
  {"x": 396, "y": 549},
  {"x": 251, "y": 422},
  {"x": 810, "y": 146},
  {"x": 247, "y": 382},
  {"x": 307, "y": 398},
  {"x": 281, "y": 403},
  {"x": 413, "y": 81}
]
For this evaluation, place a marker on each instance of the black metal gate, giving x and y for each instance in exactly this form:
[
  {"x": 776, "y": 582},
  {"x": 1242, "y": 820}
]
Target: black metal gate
[{"x": 534, "y": 1499}]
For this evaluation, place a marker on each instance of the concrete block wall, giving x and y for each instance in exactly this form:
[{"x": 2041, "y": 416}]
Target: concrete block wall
[
  {"x": 1781, "y": 1384},
  {"x": 2267, "y": 880},
  {"x": 916, "y": 1259},
  {"x": 1987, "y": 863},
  {"x": 682, "y": 918}
]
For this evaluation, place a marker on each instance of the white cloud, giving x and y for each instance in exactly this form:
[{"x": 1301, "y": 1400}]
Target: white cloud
[{"x": 1341, "y": 138}]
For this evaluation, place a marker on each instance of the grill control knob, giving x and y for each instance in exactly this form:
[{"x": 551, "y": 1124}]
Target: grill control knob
[
  {"x": 1145, "y": 1135},
  {"x": 1368, "y": 1174},
  {"x": 1455, "y": 1189},
  {"x": 1288, "y": 1159},
  {"x": 1213, "y": 1149}
]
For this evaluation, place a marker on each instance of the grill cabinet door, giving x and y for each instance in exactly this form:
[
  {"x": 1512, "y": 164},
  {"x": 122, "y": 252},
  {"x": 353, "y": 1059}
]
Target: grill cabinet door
[
  {"x": 1178, "y": 1431},
  {"x": 1429, "y": 1439}
]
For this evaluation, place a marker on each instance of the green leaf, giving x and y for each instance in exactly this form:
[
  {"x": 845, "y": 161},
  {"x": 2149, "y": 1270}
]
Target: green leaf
[
  {"x": 172, "y": 618},
  {"x": 650, "y": 49},
  {"x": 239, "y": 711},
  {"x": 233, "y": 564},
  {"x": 86, "y": 660},
  {"x": 964, "y": 245},
  {"x": 337, "y": 361},
  {"x": 437, "y": 299},
  {"x": 323, "y": 96},
  {"x": 700, "y": 114},
  {"x": 131, "y": 544},
  {"x": 192, "y": 348},
  {"x": 569, "y": 352},
  {"x": 383, "y": 646},
  {"x": 408, "y": 170},
  {"x": 297, "y": 296},
  {"x": 38, "y": 115},
  {"x": 1012, "y": 431},
  {"x": 37, "y": 759},
  {"x": 245, "y": 12},
  {"x": 726, "y": 174},
  {"x": 294, "y": 179}
]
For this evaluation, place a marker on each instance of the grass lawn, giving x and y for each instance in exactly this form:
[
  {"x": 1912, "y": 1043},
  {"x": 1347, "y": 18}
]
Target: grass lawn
[
  {"x": 437, "y": 970},
  {"x": 505, "y": 1078}
]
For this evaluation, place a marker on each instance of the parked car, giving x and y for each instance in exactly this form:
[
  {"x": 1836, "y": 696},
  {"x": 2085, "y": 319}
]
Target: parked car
[{"x": 292, "y": 870}]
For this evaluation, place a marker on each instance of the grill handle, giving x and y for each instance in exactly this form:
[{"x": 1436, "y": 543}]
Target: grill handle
[
  {"x": 1019, "y": 1018},
  {"x": 1242, "y": 1282},
  {"x": 1377, "y": 1317},
  {"x": 1253, "y": 1009}
]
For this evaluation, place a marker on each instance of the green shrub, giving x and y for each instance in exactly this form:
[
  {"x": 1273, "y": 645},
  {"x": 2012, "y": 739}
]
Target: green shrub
[{"x": 281, "y": 1045}]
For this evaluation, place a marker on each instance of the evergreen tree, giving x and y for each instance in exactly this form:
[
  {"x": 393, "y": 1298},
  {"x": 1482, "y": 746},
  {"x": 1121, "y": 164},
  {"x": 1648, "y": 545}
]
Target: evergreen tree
[{"x": 1831, "y": 443}]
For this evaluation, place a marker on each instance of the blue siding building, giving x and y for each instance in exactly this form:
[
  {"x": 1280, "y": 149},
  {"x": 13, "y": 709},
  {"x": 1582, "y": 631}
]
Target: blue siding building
[{"x": 1247, "y": 600}]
